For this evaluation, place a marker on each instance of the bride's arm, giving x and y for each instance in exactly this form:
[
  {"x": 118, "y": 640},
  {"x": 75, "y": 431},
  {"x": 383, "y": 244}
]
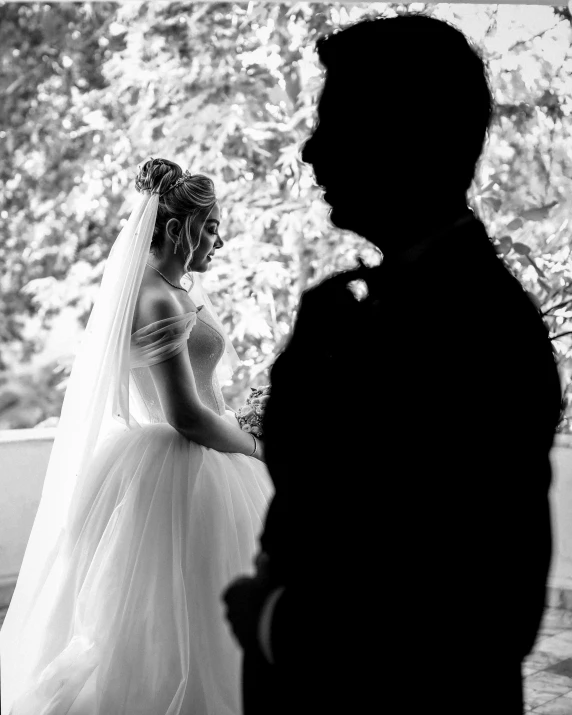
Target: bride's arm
[
  {"x": 185, "y": 412},
  {"x": 183, "y": 408}
]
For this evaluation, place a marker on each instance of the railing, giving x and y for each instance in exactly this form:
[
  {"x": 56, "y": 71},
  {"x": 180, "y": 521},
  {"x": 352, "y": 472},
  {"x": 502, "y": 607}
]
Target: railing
[{"x": 24, "y": 457}]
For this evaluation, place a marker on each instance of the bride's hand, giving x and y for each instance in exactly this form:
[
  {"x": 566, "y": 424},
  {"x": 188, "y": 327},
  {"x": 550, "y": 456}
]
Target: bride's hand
[{"x": 232, "y": 419}]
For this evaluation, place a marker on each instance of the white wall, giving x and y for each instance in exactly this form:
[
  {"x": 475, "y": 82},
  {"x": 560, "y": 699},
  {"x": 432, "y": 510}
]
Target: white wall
[
  {"x": 561, "y": 498},
  {"x": 24, "y": 456}
]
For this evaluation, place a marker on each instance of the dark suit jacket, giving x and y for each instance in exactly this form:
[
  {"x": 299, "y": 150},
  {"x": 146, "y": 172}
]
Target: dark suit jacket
[{"x": 408, "y": 437}]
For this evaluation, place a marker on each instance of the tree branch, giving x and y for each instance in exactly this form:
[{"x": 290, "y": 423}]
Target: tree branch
[
  {"x": 557, "y": 306},
  {"x": 561, "y": 335},
  {"x": 530, "y": 39}
]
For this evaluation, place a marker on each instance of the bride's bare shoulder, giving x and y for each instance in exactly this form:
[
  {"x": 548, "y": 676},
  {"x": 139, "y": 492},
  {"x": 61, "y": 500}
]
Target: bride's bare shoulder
[{"x": 155, "y": 303}]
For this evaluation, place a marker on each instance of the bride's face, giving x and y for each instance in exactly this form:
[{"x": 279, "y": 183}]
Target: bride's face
[{"x": 209, "y": 242}]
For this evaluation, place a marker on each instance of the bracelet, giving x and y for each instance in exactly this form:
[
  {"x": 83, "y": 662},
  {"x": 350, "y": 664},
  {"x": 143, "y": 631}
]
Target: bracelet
[{"x": 255, "y": 446}]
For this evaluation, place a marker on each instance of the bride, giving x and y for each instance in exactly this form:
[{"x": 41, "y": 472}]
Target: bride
[{"x": 153, "y": 497}]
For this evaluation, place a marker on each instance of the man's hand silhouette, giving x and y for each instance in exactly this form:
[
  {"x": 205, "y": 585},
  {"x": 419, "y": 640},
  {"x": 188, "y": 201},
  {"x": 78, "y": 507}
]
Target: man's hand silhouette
[{"x": 244, "y": 599}]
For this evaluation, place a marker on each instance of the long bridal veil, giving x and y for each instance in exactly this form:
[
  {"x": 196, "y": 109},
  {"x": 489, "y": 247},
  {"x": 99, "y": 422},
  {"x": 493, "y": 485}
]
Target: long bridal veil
[{"x": 96, "y": 403}]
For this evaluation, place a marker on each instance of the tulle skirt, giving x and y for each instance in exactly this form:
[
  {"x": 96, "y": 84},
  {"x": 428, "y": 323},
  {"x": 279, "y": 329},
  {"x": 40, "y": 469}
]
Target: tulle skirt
[{"x": 129, "y": 619}]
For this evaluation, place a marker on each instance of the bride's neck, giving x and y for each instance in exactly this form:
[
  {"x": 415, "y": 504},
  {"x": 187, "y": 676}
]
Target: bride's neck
[{"x": 169, "y": 264}]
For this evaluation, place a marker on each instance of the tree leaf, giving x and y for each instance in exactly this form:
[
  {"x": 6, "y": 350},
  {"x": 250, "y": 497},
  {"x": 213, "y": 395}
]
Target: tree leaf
[
  {"x": 515, "y": 224},
  {"x": 539, "y": 213},
  {"x": 504, "y": 244},
  {"x": 493, "y": 201},
  {"x": 521, "y": 248}
]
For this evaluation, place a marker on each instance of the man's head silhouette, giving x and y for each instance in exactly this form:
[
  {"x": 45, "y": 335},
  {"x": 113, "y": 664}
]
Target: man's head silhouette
[{"x": 402, "y": 119}]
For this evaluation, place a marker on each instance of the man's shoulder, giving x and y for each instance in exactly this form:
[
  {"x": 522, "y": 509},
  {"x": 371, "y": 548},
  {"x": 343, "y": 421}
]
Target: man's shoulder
[
  {"x": 337, "y": 290},
  {"x": 335, "y": 317}
]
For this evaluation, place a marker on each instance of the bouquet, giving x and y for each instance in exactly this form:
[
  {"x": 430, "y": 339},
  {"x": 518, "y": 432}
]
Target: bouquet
[{"x": 250, "y": 416}]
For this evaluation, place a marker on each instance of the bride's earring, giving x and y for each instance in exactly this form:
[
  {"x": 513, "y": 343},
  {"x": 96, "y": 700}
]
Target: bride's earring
[{"x": 177, "y": 244}]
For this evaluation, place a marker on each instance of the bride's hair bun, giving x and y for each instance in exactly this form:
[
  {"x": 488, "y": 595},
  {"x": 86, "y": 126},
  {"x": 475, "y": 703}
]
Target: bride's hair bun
[
  {"x": 157, "y": 175},
  {"x": 187, "y": 198}
]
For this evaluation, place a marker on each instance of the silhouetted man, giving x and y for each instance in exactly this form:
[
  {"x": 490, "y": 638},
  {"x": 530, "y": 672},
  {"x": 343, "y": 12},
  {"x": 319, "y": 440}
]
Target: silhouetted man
[{"x": 405, "y": 554}]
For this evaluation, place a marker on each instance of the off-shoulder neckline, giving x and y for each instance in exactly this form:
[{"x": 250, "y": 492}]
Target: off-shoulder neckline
[{"x": 174, "y": 318}]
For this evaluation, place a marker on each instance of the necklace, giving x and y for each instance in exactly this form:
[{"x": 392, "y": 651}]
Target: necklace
[{"x": 166, "y": 279}]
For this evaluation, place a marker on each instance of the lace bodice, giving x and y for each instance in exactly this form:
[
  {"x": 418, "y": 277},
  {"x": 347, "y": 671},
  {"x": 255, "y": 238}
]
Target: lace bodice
[{"x": 194, "y": 331}]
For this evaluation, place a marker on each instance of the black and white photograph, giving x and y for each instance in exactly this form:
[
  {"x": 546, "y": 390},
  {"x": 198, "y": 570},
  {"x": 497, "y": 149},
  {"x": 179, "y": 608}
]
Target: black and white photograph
[{"x": 285, "y": 358}]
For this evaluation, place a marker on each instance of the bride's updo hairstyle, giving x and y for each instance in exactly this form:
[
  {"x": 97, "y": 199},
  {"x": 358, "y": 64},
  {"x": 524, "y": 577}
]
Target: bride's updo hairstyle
[{"x": 187, "y": 198}]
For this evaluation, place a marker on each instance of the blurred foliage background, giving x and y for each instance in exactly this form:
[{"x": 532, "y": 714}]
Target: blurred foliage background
[{"x": 90, "y": 89}]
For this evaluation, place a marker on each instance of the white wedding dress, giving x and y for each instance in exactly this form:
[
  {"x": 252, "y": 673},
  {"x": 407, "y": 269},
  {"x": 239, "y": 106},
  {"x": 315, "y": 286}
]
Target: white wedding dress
[{"x": 129, "y": 619}]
